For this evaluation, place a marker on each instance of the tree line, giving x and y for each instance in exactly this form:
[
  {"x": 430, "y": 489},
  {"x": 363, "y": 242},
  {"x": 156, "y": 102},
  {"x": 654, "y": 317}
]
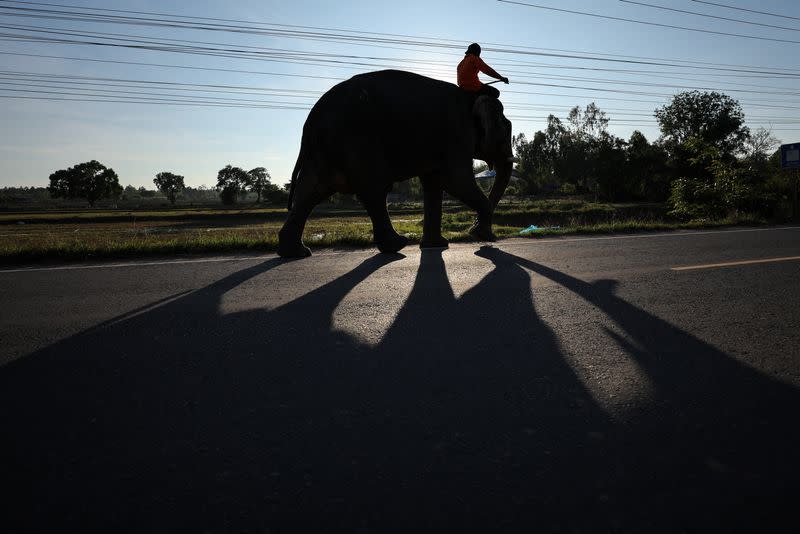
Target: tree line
[
  {"x": 706, "y": 163},
  {"x": 233, "y": 182},
  {"x": 94, "y": 181}
]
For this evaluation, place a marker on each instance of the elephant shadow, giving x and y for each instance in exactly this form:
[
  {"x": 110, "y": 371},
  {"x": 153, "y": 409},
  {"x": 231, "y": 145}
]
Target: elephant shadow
[{"x": 466, "y": 415}]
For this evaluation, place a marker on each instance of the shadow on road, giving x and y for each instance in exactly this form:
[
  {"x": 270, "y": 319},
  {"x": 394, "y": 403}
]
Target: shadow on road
[{"x": 177, "y": 417}]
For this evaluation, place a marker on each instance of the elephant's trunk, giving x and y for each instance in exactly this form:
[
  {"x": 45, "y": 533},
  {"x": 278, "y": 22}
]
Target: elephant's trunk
[{"x": 502, "y": 178}]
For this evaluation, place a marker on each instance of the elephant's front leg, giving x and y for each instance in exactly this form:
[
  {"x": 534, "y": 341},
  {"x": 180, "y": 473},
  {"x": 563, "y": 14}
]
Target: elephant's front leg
[
  {"x": 432, "y": 223},
  {"x": 464, "y": 188},
  {"x": 387, "y": 240}
]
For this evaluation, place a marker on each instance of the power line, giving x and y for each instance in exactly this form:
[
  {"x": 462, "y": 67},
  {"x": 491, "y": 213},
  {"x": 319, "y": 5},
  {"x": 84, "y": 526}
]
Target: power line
[
  {"x": 459, "y": 42},
  {"x": 295, "y": 53},
  {"x": 375, "y": 41},
  {"x": 88, "y": 97},
  {"x": 140, "y": 93},
  {"x": 726, "y": 6},
  {"x": 428, "y": 39},
  {"x": 171, "y": 66},
  {"x": 213, "y": 69},
  {"x": 168, "y": 45},
  {"x": 538, "y": 75},
  {"x": 710, "y": 16},
  {"x": 141, "y": 42},
  {"x": 646, "y": 23},
  {"x": 144, "y": 101},
  {"x": 269, "y": 73},
  {"x": 66, "y": 78},
  {"x": 638, "y": 72},
  {"x": 138, "y": 96},
  {"x": 132, "y": 84}
]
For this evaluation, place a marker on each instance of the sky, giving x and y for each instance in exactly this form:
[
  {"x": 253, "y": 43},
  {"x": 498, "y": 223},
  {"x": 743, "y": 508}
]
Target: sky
[{"x": 144, "y": 93}]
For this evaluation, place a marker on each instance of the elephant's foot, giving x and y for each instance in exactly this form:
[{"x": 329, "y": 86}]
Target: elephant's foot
[
  {"x": 392, "y": 243},
  {"x": 296, "y": 250},
  {"x": 290, "y": 242},
  {"x": 482, "y": 232},
  {"x": 434, "y": 242}
]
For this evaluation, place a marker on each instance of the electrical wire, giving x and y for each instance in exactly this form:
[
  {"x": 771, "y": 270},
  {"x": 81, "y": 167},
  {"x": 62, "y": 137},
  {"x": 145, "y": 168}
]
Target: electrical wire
[
  {"x": 664, "y": 8},
  {"x": 280, "y": 55},
  {"x": 560, "y": 95},
  {"x": 355, "y": 37},
  {"x": 347, "y": 36},
  {"x": 646, "y": 23},
  {"x": 726, "y": 6}
]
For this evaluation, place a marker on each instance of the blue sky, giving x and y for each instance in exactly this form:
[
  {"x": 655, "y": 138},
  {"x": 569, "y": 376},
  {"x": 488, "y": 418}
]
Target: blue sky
[{"x": 38, "y": 137}]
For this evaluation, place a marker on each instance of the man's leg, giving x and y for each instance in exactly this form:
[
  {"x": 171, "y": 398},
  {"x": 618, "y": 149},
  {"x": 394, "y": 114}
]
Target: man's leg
[{"x": 489, "y": 90}]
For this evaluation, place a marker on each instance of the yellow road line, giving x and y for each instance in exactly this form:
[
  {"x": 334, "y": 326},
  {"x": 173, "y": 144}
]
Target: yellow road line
[{"x": 734, "y": 263}]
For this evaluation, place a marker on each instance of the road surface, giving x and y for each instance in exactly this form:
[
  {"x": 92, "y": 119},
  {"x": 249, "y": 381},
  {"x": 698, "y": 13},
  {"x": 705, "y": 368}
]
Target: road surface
[{"x": 622, "y": 383}]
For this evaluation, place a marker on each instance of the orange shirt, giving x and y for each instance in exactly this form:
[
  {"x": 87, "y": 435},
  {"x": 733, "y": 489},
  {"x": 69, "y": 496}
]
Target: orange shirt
[{"x": 468, "y": 72}]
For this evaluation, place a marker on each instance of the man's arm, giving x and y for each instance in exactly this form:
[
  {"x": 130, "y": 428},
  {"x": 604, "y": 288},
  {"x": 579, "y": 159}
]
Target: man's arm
[{"x": 489, "y": 71}]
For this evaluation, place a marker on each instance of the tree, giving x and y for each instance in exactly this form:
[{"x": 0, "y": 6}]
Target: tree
[
  {"x": 409, "y": 189},
  {"x": 65, "y": 183},
  {"x": 276, "y": 195},
  {"x": 535, "y": 167},
  {"x": 562, "y": 155},
  {"x": 759, "y": 146},
  {"x": 146, "y": 193},
  {"x": 713, "y": 118},
  {"x": 608, "y": 168},
  {"x": 169, "y": 184},
  {"x": 258, "y": 180},
  {"x": 646, "y": 168},
  {"x": 230, "y": 183},
  {"x": 587, "y": 123},
  {"x": 91, "y": 180},
  {"x": 732, "y": 188},
  {"x": 130, "y": 192}
]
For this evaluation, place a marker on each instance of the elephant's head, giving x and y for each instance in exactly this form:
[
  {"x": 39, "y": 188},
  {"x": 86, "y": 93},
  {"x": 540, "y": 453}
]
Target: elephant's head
[{"x": 494, "y": 143}]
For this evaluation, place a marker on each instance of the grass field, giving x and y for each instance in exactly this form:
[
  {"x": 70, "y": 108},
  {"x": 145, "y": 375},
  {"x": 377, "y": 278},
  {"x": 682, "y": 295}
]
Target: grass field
[{"x": 26, "y": 236}]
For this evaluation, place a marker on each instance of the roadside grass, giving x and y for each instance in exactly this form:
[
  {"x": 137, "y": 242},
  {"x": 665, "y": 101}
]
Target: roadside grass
[
  {"x": 226, "y": 231},
  {"x": 102, "y": 215}
]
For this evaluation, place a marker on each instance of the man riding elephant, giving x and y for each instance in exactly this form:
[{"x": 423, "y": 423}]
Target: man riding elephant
[
  {"x": 468, "y": 70},
  {"x": 379, "y": 128}
]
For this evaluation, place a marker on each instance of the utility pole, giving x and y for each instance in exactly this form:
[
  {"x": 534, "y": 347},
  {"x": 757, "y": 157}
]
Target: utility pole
[{"x": 790, "y": 160}]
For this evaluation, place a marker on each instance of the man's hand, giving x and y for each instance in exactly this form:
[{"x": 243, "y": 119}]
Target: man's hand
[{"x": 505, "y": 80}]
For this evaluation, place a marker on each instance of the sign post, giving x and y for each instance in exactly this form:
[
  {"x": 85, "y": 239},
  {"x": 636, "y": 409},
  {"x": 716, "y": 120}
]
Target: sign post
[{"x": 790, "y": 159}]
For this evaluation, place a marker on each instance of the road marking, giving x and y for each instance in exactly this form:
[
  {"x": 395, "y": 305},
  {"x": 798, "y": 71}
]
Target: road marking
[
  {"x": 518, "y": 242},
  {"x": 734, "y": 263},
  {"x": 132, "y": 264}
]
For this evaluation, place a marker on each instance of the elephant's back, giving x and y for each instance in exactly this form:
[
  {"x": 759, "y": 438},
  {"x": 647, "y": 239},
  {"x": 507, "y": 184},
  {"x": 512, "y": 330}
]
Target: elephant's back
[
  {"x": 404, "y": 85},
  {"x": 386, "y": 109}
]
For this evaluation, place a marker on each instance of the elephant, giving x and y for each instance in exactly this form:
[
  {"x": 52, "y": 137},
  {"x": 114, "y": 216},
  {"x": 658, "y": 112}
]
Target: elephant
[{"x": 382, "y": 127}]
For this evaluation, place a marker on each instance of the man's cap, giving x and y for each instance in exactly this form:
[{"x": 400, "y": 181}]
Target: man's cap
[{"x": 474, "y": 48}]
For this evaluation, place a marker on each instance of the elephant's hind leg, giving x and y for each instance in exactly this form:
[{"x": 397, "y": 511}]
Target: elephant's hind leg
[
  {"x": 309, "y": 193},
  {"x": 432, "y": 222},
  {"x": 387, "y": 240}
]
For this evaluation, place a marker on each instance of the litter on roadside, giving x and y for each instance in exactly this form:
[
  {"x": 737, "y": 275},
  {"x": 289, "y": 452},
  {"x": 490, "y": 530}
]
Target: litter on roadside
[{"x": 533, "y": 228}]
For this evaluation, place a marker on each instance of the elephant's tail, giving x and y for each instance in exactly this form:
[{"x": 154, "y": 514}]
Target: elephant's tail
[{"x": 295, "y": 174}]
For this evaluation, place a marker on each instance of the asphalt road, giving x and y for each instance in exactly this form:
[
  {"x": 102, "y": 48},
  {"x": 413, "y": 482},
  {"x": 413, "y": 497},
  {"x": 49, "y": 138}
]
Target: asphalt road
[{"x": 564, "y": 385}]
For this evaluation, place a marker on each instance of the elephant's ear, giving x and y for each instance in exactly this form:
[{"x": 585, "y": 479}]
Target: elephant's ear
[{"x": 488, "y": 112}]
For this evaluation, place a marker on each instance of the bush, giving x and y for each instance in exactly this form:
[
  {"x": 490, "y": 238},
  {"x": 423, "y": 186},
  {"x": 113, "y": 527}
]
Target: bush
[
  {"x": 229, "y": 194},
  {"x": 730, "y": 190},
  {"x": 568, "y": 189},
  {"x": 277, "y": 196}
]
